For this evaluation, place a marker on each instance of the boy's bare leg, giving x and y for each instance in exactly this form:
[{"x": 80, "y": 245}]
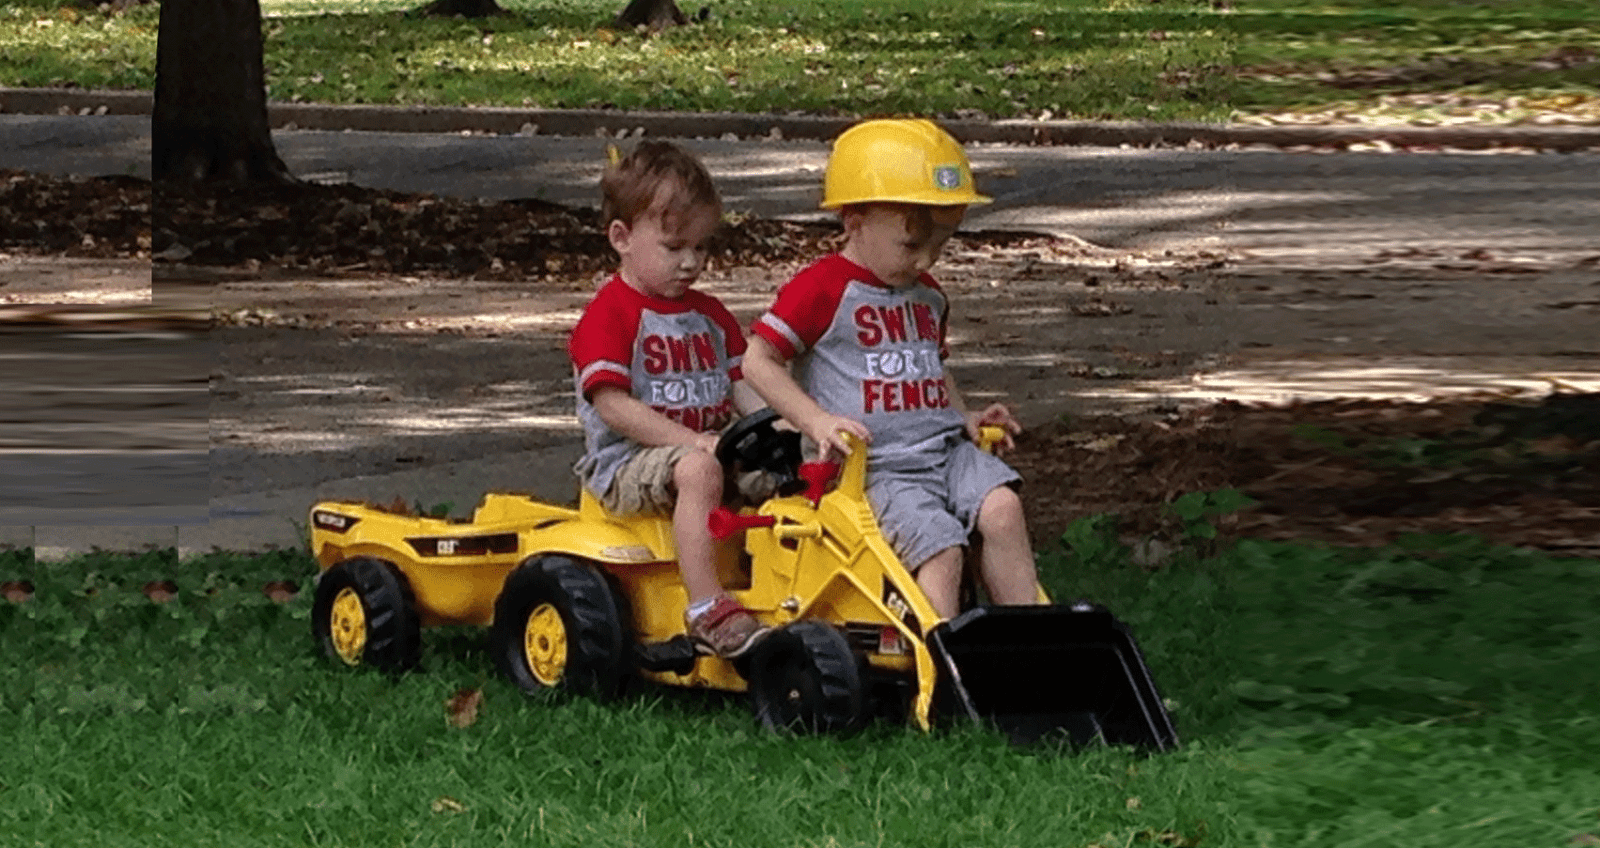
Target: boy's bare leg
[
  {"x": 940, "y": 579},
  {"x": 698, "y": 477},
  {"x": 1006, "y": 562}
]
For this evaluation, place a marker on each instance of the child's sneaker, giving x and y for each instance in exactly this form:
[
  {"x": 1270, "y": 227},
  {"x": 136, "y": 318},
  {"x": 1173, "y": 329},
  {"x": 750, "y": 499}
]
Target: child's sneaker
[{"x": 726, "y": 630}]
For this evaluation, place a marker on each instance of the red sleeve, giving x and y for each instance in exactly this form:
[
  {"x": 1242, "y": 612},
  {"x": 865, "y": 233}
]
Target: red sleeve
[
  {"x": 601, "y": 347},
  {"x": 804, "y": 309}
]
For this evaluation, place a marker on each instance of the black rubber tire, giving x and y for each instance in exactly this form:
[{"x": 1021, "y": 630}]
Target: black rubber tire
[
  {"x": 393, "y": 630},
  {"x": 804, "y": 678},
  {"x": 593, "y": 617}
]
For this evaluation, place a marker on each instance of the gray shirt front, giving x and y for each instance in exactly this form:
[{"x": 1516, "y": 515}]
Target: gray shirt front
[
  {"x": 680, "y": 357},
  {"x": 872, "y": 353}
]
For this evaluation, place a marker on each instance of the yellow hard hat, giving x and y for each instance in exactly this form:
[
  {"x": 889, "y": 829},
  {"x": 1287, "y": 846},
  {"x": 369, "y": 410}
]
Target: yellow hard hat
[{"x": 898, "y": 161}]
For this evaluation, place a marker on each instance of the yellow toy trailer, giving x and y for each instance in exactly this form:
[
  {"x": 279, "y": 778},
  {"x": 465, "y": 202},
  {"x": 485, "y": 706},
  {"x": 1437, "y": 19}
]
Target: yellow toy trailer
[{"x": 580, "y": 600}]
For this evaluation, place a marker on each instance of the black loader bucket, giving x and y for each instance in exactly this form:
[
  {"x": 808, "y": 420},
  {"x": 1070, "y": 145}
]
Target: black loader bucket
[{"x": 1036, "y": 671}]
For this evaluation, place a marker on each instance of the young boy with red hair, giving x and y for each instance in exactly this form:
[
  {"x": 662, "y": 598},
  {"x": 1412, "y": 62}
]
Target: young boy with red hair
[{"x": 658, "y": 370}]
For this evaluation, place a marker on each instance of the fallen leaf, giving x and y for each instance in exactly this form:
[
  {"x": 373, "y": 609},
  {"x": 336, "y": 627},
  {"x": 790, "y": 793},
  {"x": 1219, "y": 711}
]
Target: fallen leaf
[
  {"x": 1098, "y": 444},
  {"x": 16, "y": 591},
  {"x": 280, "y": 591},
  {"x": 161, "y": 591},
  {"x": 446, "y": 804},
  {"x": 462, "y": 708},
  {"x": 398, "y": 506},
  {"x": 1167, "y": 837}
]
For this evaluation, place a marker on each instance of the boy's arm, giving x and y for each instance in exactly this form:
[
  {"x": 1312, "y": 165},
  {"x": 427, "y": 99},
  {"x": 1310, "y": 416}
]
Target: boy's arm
[
  {"x": 631, "y": 417},
  {"x": 745, "y": 398},
  {"x": 997, "y": 414},
  {"x": 766, "y": 372}
]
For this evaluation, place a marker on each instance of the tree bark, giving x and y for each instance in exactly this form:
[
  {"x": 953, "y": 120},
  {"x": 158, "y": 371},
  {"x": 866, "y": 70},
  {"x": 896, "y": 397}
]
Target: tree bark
[
  {"x": 656, "y": 15},
  {"x": 210, "y": 119},
  {"x": 463, "y": 8}
]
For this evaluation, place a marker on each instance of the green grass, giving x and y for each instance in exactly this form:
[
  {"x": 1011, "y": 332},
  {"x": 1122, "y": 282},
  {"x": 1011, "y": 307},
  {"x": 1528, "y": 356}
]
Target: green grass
[
  {"x": 1422, "y": 60},
  {"x": 1434, "y": 694},
  {"x": 832, "y": 58},
  {"x": 52, "y": 44},
  {"x": 1166, "y": 59}
]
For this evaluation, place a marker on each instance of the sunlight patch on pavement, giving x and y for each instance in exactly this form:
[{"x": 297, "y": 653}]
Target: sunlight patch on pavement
[
  {"x": 562, "y": 319},
  {"x": 113, "y": 436},
  {"x": 356, "y": 381},
  {"x": 484, "y": 419},
  {"x": 1412, "y": 380},
  {"x": 137, "y": 389},
  {"x": 347, "y": 429},
  {"x": 6, "y": 450},
  {"x": 1154, "y": 213},
  {"x": 95, "y": 297}
]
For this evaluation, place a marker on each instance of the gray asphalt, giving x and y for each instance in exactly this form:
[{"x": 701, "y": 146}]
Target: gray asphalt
[
  {"x": 1281, "y": 206},
  {"x": 103, "y": 428},
  {"x": 1271, "y": 206}
]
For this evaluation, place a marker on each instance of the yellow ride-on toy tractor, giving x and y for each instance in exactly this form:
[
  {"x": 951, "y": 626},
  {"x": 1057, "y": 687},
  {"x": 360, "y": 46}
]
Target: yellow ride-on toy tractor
[{"x": 583, "y": 601}]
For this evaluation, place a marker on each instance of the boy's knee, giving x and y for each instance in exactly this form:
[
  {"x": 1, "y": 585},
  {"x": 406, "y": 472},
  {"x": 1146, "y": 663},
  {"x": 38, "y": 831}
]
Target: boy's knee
[
  {"x": 1001, "y": 511},
  {"x": 698, "y": 471}
]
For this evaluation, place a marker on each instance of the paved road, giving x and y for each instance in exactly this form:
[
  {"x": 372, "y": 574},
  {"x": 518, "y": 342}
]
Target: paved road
[
  {"x": 1290, "y": 209},
  {"x": 104, "y": 427}
]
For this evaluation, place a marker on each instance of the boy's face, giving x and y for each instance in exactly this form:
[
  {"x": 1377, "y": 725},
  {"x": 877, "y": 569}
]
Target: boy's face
[
  {"x": 663, "y": 258},
  {"x": 900, "y": 242}
]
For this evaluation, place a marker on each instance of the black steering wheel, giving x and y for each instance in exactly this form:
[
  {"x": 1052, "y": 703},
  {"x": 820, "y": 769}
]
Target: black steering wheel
[{"x": 753, "y": 443}]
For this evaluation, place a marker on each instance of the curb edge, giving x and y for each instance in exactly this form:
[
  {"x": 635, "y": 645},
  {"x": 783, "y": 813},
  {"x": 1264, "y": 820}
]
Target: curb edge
[{"x": 591, "y": 122}]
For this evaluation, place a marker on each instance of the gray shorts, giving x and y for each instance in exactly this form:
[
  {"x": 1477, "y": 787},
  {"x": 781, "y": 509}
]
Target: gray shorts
[{"x": 923, "y": 512}]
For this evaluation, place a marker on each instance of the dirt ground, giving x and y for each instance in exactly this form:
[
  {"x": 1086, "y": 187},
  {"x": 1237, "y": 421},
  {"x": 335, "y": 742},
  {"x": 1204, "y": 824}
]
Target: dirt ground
[
  {"x": 1116, "y": 362},
  {"x": 1416, "y": 390},
  {"x": 92, "y": 282}
]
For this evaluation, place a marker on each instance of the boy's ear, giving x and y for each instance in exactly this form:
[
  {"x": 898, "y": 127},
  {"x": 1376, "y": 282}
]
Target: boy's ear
[
  {"x": 850, "y": 218},
  {"x": 618, "y": 233}
]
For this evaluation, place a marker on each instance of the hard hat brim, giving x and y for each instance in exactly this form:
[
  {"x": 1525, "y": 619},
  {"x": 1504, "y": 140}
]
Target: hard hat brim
[{"x": 928, "y": 199}]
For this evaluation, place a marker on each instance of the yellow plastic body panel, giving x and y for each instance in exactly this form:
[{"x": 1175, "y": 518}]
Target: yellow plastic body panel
[
  {"x": 456, "y": 569},
  {"x": 827, "y": 561}
]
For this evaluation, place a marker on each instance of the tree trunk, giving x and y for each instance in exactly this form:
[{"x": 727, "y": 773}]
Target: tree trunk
[
  {"x": 462, "y": 8},
  {"x": 210, "y": 120},
  {"x": 656, "y": 15}
]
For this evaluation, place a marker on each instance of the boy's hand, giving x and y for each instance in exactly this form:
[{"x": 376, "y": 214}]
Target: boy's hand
[
  {"x": 828, "y": 432},
  {"x": 708, "y": 442},
  {"x": 995, "y": 415}
]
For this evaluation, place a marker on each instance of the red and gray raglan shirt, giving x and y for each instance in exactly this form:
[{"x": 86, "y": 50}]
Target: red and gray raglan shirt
[
  {"x": 680, "y": 357},
  {"x": 872, "y": 353}
]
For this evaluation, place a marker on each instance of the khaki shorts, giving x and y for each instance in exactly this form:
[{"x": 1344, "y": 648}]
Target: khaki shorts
[{"x": 645, "y": 483}]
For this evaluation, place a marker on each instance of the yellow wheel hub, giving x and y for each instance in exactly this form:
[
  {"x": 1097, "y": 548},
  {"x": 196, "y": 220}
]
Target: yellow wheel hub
[
  {"x": 544, "y": 644},
  {"x": 347, "y": 626}
]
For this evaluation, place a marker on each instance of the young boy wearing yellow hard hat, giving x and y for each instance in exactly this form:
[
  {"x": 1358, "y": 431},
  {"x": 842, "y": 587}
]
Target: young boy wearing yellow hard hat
[{"x": 865, "y": 328}]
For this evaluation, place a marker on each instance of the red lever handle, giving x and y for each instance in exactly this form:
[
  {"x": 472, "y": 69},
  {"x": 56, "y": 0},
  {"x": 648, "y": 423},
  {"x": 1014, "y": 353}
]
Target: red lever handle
[
  {"x": 817, "y": 476},
  {"x": 724, "y": 522}
]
